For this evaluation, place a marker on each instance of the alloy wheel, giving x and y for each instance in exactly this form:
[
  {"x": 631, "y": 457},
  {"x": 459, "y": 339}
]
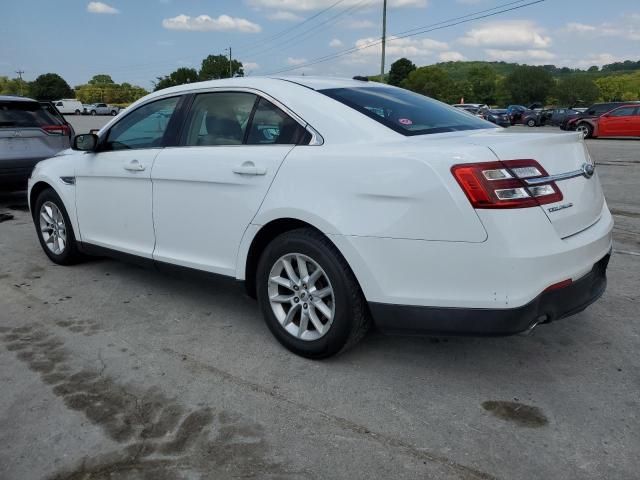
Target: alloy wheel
[
  {"x": 584, "y": 130},
  {"x": 53, "y": 228},
  {"x": 301, "y": 296}
]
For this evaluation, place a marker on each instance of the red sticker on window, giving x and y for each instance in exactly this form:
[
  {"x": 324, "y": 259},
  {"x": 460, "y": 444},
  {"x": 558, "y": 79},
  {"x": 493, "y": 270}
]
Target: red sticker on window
[{"x": 405, "y": 121}]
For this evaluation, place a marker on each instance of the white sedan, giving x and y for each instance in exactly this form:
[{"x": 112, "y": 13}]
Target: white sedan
[{"x": 339, "y": 203}]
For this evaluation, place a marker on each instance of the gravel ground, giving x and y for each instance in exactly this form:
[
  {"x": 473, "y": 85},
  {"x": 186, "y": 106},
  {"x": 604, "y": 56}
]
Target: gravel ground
[{"x": 109, "y": 371}]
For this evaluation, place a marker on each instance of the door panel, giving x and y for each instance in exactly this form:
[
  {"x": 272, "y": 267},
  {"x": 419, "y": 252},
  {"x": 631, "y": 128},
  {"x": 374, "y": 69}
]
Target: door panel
[
  {"x": 205, "y": 197},
  {"x": 113, "y": 198},
  {"x": 113, "y": 185}
]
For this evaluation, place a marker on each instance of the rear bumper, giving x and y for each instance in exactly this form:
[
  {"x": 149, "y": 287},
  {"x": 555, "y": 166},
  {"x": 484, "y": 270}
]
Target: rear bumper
[{"x": 548, "y": 306}]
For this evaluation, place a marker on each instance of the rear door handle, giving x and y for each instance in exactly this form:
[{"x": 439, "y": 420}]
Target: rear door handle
[
  {"x": 134, "y": 166},
  {"x": 249, "y": 168}
]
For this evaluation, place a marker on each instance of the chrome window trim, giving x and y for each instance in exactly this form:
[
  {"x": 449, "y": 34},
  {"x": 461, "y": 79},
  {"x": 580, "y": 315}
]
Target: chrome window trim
[{"x": 316, "y": 137}]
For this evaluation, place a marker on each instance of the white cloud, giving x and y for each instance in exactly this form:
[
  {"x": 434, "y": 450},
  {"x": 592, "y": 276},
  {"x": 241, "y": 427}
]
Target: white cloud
[
  {"x": 451, "y": 57},
  {"x": 528, "y": 55},
  {"x": 203, "y": 23},
  {"x": 597, "y": 59},
  {"x": 508, "y": 34},
  {"x": 250, "y": 66},
  {"x": 99, "y": 7},
  {"x": 575, "y": 27},
  {"x": 336, "y": 43},
  {"x": 307, "y": 5},
  {"x": 404, "y": 47},
  {"x": 296, "y": 61},
  {"x": 358, "y": 24},
  {"x": 284, "y": 15}
]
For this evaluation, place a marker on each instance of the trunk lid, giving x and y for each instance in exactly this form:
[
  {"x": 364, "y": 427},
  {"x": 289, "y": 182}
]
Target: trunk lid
[{"x": 559, "y": 154}]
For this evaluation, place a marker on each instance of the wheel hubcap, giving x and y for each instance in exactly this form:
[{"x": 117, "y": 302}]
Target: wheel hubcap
[
  {"x": 301, "y": 296},
  {"x": 53, "y": 228}
]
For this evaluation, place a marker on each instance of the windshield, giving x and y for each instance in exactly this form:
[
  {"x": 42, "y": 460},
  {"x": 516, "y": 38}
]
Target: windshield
[{"x": 406, "y": 112}]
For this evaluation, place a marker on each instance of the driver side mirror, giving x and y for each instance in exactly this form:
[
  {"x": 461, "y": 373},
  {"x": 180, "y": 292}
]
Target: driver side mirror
[{"x": 87, "y": 142}]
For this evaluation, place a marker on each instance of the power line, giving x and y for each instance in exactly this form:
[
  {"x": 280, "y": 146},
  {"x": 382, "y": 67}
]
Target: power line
[
  {"x": 421, "y": 30},
  {"x": 313, "y": 30},
  {"x": 253, "y": 45}
]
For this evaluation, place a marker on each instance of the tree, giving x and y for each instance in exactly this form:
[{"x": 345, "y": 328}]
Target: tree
[
  {"x": 100, "y": 79},
  {"x": 13, "y": 86},
  {"x": 573, "y": 89},
  {"x": 400, "y": 69},
  {"x": 217, "y": 66},
  {"x": 593, "y": 68},
  {"x": 529, "y": 84},
  {"x": 611, "y": 88},
  {"x": 50, "y": 86},
  {"x": 483, "y": 84},
  {"x": 431, "y": 81},
  {"x": 179, "y": 77}
]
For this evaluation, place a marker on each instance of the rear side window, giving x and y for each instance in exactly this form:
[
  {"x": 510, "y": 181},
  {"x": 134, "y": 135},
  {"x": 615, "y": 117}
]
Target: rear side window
[
  {"x": 406, "y": 112},
  {"x": 270, "y": 125},
  {"x": 25, "y": 115},
  {"x": 219, "y": 118}
]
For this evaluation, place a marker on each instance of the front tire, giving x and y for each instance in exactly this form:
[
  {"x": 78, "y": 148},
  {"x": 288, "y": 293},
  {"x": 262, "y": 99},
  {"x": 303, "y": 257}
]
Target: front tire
[
  {"x": 54, "y": 229},
  {"x": 93, "y": 112},
  {"x": 113, "y": 113},
  {"x": 77, "y": 112},
  {"x": 308, "y": 295},
  {"x": 585, "y": 129},
  {"x": 531, "y": 122}
]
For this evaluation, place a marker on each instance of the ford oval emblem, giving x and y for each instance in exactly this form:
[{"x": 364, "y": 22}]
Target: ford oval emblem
[{"x": 588, "y": 170}]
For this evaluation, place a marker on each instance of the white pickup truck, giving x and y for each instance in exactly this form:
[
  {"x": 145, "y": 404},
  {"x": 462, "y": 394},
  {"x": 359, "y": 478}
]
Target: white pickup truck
[{"x": 101, "y": 109}]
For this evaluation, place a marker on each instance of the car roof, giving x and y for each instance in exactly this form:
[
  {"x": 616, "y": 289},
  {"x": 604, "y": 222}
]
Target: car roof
[{"x": 15, "y": 98}]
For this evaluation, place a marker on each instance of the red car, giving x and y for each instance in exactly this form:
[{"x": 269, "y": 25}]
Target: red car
[{"x": 620, "y": 122}]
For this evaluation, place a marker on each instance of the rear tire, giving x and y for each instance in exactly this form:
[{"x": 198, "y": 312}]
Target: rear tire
[
  {"x": 77, "y": 112},
  {"x": 314, "y": 281},
  {"x": 585, "y": 129},
  {"x": 54, "y": 229},
  {"x": 93, "y": 112},
  {"x": 531, "y": 122},
  {"x": 113, "y": 113}
]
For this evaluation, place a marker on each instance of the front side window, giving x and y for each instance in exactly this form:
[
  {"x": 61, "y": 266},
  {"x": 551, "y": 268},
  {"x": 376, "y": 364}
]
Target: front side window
[
  {"x": 623, "y": 112},
  {"x": 406, "y": 112},
  {"x": 143, "y": 128}
]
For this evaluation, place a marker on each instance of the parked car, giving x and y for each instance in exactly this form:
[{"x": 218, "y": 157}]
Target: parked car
[
  {"x": 498, "y": 116},
  {"x": 29, "y": 132},
  {"x": 478, "y": 106},
  {"x": 536, "y": 118},
  {"x": 558, "y": 115},
  {"x": 69, "y": 106},
  {"x": 515, "y": 113},
  {"x": 620, "y": 122},
  {"x": 476, "y": 112},
  {"x": 100, "y": 109},
  {"x": 337, "y": 203},
  {"x": 595, "y": 110}
]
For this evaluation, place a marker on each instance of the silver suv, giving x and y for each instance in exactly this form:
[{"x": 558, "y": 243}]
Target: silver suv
[{"x": 30, "y": 131}]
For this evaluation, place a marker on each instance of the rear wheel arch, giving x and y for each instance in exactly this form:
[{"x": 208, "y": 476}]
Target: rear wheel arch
[{"x": 265, "y": 235}]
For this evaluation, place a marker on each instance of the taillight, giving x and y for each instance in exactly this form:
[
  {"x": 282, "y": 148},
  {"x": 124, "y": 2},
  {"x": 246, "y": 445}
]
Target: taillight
[
  {"x": 501, "y": 184},
  {"x": 59, "y": 129}
]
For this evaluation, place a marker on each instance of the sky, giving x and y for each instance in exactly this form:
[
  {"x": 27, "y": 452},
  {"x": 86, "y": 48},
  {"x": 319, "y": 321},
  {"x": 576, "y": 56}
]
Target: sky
[{"x": 138, "y": 40}]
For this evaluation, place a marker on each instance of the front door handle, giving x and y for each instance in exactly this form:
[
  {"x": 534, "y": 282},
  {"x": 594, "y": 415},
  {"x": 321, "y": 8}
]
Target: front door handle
[
  {"x": 249, "y": 168},
  {"x": 134, "y": 166}
]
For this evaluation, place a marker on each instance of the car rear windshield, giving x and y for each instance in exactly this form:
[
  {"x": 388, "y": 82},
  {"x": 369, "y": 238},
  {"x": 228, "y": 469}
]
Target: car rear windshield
[
  {"x": 406, "y": 112},
  {"x": 25, "y": 114}
]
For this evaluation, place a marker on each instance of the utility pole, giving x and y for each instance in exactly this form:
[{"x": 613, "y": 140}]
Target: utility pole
[
  {"x": 230, "y": 65},
  {"x": 384, "y": 38},
  {"x": 20, "y": 72}
]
